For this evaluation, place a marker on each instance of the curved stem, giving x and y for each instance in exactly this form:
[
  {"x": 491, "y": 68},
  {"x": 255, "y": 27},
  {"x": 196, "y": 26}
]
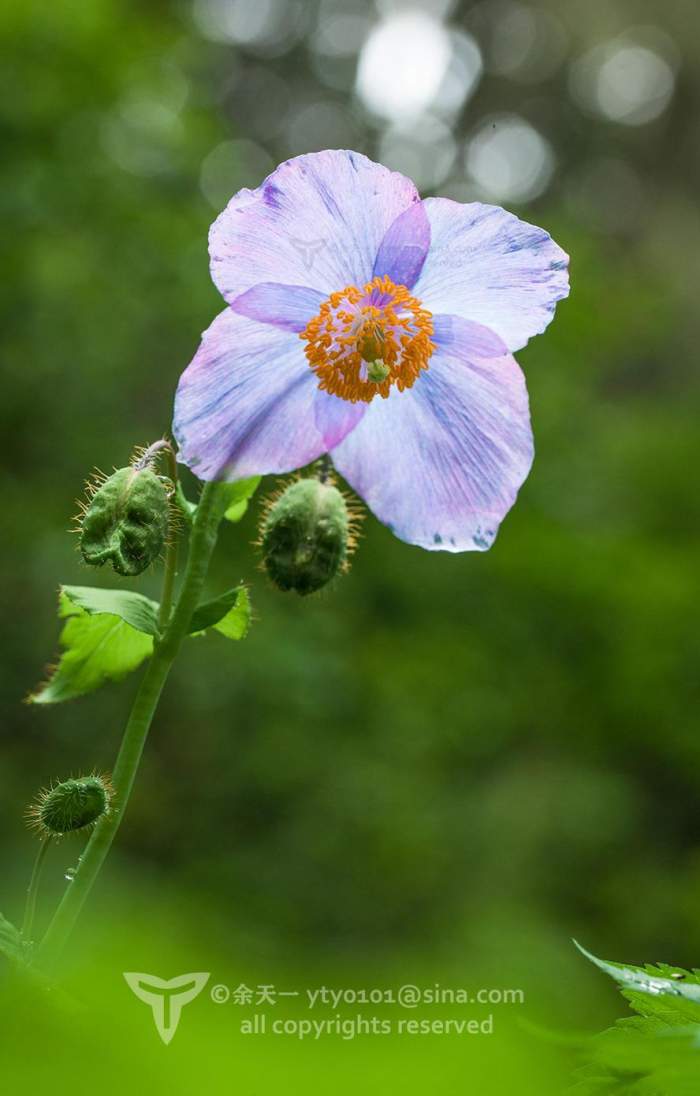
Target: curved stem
[
  {"x": 148, "y": 458},
  {"x": 33, "y": 889},
  {"x": 166, "y": 598},
  {"x": 203, "y": 538}
]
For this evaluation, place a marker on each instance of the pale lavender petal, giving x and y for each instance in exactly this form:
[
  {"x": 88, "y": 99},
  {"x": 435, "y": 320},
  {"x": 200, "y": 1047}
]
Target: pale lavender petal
[
  {"x": 441, "y": 463},
  {"x": 317, "y": 220},
  {"x": 403, "y": 250},
  {"x": 245, "y": 404},
  {"x": 488, "y": 266},
  {"x": 287, "y": 306},
  {"x": 461, "y": 338},
  {"x": 335, "y": 417}
]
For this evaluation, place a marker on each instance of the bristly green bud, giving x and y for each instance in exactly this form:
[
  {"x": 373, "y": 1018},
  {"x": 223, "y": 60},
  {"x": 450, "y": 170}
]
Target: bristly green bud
[
  {"x": 306, "y": 536},
  {"x": 71, "y": 806},
  {"x": 125, "y": 521}
]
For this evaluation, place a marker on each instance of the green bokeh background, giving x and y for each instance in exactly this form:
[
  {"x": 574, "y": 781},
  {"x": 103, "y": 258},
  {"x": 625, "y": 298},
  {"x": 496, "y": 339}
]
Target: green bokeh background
[{"x": 447, "y": 766}]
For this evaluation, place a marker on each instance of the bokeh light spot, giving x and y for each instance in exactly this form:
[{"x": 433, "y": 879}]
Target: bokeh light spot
[
  {"x": 425, "y": 151},
  {"x": 627, "y": 79},
  {"x": 402, "y": 65},
  {"x": 509, "y": 160}
]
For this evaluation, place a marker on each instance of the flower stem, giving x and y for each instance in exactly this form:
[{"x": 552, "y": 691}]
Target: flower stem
[
  {"x": 202, "y": 541},
  {"x": 33, "y": 889},
  {"x": 166, "y": 600},
  {"x": 149, "y": 458}
]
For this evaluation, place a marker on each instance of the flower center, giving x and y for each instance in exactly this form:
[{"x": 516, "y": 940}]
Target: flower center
[{"x": 365, "y": 340}]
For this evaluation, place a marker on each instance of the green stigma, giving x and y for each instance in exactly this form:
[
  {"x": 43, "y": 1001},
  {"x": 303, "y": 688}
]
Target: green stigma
[{"x": 377, "y": 371}]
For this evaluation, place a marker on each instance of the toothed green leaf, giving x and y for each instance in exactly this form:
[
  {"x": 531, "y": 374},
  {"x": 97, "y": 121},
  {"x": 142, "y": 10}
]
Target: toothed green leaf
[
  {"x": 138, "y": 611},
  {"x": 97, "y": 648},
  {"x": 657, "y": 1051},
  {"x": 658, "y": 980}
]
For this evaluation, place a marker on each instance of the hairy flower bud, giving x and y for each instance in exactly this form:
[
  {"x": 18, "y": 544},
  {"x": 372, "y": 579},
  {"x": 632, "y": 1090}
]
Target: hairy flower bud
[
  {"x": 306, "y": 536},
  {"x": 125, "y": 521},
  {"x": 72, "y": 805}
]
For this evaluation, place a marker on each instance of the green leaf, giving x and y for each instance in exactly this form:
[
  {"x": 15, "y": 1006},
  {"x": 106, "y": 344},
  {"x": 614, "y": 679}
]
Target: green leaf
[
  {"x": 98, "y": 648},
  {"x": 658, "y": 1050},
  {"x": 228, "y": 614},
  {"x": 239, "y": 495},
  {"x": 11, "y": 944},
  {"x": 659, "y": 980},
  {"x": 236, "y": 623},
  {"x": 138, "y": 611}
]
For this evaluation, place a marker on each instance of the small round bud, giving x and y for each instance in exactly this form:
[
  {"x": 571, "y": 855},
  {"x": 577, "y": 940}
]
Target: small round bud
[
  {"x": 125, "y": 522},
  {"x": 306, "y": 536},
  {"x": 72, "y": 805}
]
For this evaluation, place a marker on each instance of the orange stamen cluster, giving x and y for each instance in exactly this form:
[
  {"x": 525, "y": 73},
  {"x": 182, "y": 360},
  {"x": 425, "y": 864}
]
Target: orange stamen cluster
[{"x": 363, "y": 341}]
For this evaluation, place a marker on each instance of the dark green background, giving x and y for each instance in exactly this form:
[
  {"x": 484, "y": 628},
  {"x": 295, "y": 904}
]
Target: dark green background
[{"x": 487, "y": 752}]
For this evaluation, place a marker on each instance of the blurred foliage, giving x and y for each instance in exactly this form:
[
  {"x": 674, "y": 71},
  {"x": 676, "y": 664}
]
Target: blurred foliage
[
  {"x": 95, "y": 1031},
  {"x": 441, "y": 749}
]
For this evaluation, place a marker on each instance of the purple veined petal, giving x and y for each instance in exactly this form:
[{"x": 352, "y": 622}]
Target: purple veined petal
[
  {"x": 245, "y": 405},
  {"x": 488, "y": 266},
  {"x": 442, "y": 462},
  {"x": 317, "y": 220},
  {"x": 287, "y": 306},
  {"x": 335, "y": 418},
  {"x": 460, "y": 338},
  {"x": 403, "y": 250}
]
